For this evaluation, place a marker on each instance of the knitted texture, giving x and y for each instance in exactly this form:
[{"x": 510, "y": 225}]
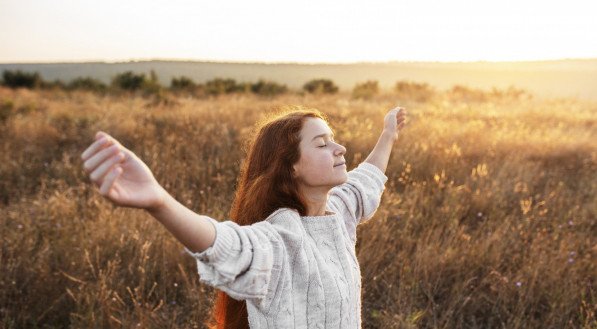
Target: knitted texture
[{"x": 297, "y": 271}]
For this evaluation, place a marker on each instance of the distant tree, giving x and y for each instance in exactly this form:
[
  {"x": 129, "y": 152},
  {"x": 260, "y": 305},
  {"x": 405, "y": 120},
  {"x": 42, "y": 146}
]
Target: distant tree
[
  {"x": 419, "y": 92},
  {"x": 244, "y": 87},
  {"x": 87, "y": 83},
  {"x": 129, "y": 81},
  {"x": 182, "y": 84},
  {"x": 268, "y": 88},
  {"x": 220, "y": 86},
  {"x": 20, "y": 79},
  {"x": 365, "y": 89},
  {"x": 152, "y": 85},
  {"x": 467, "y": 94},
  {"x": 320, "y": 86},
  {"x": 153, "y": 77}
]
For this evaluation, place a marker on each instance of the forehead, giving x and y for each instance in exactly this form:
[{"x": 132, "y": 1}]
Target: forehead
[{"x": 313, "y": 127}]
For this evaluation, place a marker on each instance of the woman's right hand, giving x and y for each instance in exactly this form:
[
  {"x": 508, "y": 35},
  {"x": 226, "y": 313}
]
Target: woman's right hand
[{"x": 120, "y": 175}]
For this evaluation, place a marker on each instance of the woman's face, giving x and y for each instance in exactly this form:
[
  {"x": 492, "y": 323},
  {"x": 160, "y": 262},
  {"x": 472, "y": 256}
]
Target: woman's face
[{"x": 321, "y": 163}]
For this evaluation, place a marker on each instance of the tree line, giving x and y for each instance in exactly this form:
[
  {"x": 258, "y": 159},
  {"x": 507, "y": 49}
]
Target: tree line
[
  {"x": 148, "y": 84},
  {"x": 132, "y": 82}
]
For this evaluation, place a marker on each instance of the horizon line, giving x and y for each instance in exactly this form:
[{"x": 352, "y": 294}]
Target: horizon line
[{"x": 140, "y": 60}]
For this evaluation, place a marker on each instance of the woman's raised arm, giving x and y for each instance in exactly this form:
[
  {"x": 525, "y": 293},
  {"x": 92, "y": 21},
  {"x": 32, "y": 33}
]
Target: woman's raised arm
[
  {"x": 393, "y": 122},
  {"x": 358, "y": 198}
]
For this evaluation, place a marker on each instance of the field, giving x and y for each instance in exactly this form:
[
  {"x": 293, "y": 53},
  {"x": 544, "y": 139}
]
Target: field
[{"x": 489, "y": 218}]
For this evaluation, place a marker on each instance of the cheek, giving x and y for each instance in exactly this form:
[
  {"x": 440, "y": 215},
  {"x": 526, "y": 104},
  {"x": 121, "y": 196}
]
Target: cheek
[
  {"x": 316, "y": 165},
  {"x": 320, "y": 161}
]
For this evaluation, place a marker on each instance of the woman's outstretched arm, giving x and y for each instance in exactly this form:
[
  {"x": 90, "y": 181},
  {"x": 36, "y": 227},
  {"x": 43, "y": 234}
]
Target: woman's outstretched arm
[
  {"x": 126, "y": 181},
  {"x": 194, "y": 231},
  {"x": 244, "y": 261},
  {"x": 393, "y": 122}
]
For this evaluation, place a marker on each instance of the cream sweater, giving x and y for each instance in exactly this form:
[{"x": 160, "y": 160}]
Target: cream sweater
[{"x": 297, "y": 271}]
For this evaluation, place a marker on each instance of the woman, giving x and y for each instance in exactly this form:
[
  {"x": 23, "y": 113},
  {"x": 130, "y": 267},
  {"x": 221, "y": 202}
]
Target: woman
[{"x": 287, "y": 258}]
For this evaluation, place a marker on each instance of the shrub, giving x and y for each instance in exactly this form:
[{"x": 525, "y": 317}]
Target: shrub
[
  {"x": 152, "y": 85},
  {"x": 182, "y": 84},
  {"x": 87, "y": 83},
  {"x": 320, "y": 86},
  {"x": 268, "y": 88},
  {"x": 6, "y": 110},
  {"x": 244, "y": 87},
  {"x": 419, "y": 92},
  {"x": 56, "y": 84},
  {"x": 467, "y": 94},
  {"x": 511, "y": 92},
  {"x": 129, "y": 81},
  {"x": 20, "y": 79},
  {"x": 366, "y": 89},
  {"x": 463, "y": 93},
  {"x": 220, "y": 86}
]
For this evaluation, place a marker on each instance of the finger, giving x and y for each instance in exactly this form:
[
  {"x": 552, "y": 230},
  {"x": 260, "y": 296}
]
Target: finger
[
  {"x": 99, "y": 157},
  {"x": 93, "y": 148},
  {"x": 103, "y": 168},
  {"x": 109, "y": 181},
  {"x": 101, "y": 134},
  {"x": 111, "y": 140}
]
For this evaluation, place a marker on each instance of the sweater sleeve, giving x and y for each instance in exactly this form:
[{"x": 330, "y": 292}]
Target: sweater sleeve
[
  {"x": 242, "y": 260},
  {"x": 358, "y": 199}
]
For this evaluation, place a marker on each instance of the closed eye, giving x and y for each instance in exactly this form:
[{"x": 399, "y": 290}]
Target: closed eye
[{"x": 322, "y": 145}]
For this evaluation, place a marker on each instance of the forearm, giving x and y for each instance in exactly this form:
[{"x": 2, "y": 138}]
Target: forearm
[
  {"x": 382, "y": 150},
  {"x": 194, "y": 231}
]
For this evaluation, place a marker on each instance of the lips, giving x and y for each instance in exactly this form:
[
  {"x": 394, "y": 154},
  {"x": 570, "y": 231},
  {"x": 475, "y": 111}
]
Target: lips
[{"x": 339, "y": 164}]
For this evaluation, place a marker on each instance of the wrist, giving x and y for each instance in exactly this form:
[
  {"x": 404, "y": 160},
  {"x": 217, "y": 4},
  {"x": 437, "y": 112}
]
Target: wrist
[
  {"x": 389, "y": 135},
  {"x": 160, "y": 203}
]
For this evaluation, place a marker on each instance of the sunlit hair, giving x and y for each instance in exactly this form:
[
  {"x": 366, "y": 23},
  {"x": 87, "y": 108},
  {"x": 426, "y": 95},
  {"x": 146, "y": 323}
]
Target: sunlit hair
[{"x": 265, "y": 184}]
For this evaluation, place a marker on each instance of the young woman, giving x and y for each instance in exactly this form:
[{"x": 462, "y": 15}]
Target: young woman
[{"x": 287, "y": 258}]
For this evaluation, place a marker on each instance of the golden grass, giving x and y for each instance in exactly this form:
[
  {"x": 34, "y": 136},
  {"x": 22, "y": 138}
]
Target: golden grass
[{"x": 488, "y": 219}]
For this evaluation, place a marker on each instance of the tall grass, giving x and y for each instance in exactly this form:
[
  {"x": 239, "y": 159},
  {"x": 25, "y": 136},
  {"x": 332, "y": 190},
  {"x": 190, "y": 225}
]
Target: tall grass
[{"x": 488, "y": 219}]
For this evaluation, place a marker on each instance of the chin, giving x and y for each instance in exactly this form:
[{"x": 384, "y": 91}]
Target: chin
[{"x": 342, "y": 181}]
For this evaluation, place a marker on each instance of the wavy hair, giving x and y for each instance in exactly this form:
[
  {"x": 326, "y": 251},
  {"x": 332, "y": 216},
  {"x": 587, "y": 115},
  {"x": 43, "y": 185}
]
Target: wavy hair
[{"x": 265, "y": 184}]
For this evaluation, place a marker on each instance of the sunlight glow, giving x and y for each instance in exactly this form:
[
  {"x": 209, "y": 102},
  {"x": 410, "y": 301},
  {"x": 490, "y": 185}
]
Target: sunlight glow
[{"x": 302, "y": 31}]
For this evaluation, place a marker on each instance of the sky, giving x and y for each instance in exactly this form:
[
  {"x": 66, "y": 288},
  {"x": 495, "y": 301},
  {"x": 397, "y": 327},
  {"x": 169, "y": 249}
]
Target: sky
[{"x": 306, "y": 31}]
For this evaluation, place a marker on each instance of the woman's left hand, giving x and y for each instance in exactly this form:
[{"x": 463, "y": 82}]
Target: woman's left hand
[{"x": 395, "y": 121}]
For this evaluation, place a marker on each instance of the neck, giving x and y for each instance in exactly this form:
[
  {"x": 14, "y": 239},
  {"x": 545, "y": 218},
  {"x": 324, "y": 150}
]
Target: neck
[{"x": 316, "y": 199}]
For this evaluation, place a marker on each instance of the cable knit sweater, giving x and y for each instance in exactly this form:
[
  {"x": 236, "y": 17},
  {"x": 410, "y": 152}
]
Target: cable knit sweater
[{"x": 297, "y": 271}]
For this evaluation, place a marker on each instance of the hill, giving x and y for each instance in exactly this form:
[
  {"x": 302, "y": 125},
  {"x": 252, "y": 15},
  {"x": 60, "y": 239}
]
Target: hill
[{"x": 562, "y": 78}]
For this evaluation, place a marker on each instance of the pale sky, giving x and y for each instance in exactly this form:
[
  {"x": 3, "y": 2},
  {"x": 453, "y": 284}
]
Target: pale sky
[{"x": 306, "y": 31}]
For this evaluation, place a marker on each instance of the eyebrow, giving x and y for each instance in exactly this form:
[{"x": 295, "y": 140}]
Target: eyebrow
[{"x": 322, "y": 135}]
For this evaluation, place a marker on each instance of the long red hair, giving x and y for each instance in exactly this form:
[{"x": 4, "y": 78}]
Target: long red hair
[{"x": 265, "y": 184}]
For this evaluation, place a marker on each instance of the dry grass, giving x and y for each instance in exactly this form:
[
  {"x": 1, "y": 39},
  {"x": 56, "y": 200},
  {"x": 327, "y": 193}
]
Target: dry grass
[{"x": 488, "y": 219}]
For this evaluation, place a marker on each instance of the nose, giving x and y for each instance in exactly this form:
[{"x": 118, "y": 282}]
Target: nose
[{"x": 340, "y": 150}]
